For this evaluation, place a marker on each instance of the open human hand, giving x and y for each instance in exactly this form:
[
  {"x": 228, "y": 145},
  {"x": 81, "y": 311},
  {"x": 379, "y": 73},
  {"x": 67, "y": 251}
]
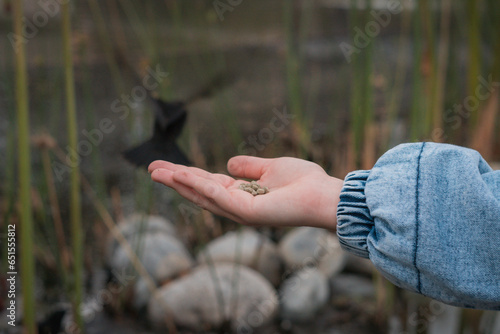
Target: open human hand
[{"x": 301, "y": 192}]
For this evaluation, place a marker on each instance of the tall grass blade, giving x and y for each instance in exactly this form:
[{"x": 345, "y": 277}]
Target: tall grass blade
[
  {"x": 107, "y": 45},
  {"x": 474, "y": 52},
  {"x": 56, "y": 213},
  {"x": 361, "y": 105},
  {"x": 428, "y": 62},
  {"x": 293, "y": 78},
  {"x": 418, "y": 104},
  {"x": 25, "y": 212},
  {"x": 75, "y": 205},
  {"x": 366, "y": 76},
  {"x": 399, "y": 77},
  {"x": 132, "y": 14},
  {"x": 442, "y": 64}
]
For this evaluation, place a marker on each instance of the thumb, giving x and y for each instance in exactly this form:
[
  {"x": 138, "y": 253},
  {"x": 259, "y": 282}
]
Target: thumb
[{"x": 247, "y": 167}]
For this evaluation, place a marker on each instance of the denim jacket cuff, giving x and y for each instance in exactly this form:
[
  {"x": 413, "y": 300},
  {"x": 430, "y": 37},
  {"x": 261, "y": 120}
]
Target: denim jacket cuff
[{"x": 354, "y": 221}]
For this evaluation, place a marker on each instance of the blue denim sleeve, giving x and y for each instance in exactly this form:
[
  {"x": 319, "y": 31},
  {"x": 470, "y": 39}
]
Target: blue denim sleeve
[{"x": 428, "y": 216}]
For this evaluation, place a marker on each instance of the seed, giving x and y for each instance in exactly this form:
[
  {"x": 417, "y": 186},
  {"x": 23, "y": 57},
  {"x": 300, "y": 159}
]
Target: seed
[{"x": 253, "y": 188}]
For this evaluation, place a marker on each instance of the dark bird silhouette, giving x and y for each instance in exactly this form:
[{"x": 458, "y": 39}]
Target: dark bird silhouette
[{"x": 170, "y": 118}]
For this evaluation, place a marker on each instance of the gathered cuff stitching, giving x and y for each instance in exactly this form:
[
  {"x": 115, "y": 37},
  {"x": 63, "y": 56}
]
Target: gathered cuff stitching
[{"x": 353, "y": 216}]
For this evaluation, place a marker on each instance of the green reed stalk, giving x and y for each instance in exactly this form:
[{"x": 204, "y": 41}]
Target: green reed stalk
[
  {"x": 306, "y": 16},
  {"x": 492, "y": 33},
  {"x": 65, "y": 259},
  {"x": 429, "y": 62},
  {"x": 366, "y": 79},
  {"x": 356, "y": 91},
  {"x": 23, "y": 148},
  {"x": 293, "y": 77},
  {"x": 399, "y": 77},
  {"x": 494, "y": 7},
  {"x": 442, "y": 65},
  {"x": 292, "y": 63},
  {"x": 308, "y": 107},
  {"x": 418, "y": 104},
  {"x": 75, "y": 196},
  {"x": 175, "y": 9},
  {"x": 98, "y": 180},
  {"x": 133, "y": 16},
  {"x": 361, "y": 105},
  {"x": 107, "y": 45},
  {"x": 153, "y": 31},
  {"x": 224, "y": 103},
  {"x": 119, "y": 38},
  {"x": 494, "y": 29},
  {"x": 474, "y": 53}
]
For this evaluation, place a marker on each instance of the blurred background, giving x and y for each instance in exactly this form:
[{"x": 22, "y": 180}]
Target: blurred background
[{"x": 100, "y": 248}]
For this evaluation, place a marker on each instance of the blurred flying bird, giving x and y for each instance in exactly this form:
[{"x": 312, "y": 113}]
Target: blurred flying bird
[
  {"x": 170, "y": 118},
  {"x": 169, "y": 121}
]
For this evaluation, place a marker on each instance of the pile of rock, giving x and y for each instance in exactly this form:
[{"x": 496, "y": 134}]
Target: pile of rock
[
  {"x": 158, "y": 248},
  {"x": 241, "y": 280}
]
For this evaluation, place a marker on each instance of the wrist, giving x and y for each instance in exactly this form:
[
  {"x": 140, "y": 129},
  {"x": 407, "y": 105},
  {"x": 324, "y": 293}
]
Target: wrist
[{"x": 329, "y": 201}]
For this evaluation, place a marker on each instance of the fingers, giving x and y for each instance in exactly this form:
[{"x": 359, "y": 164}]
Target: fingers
[
  {"x": 207, "y": 192},
  {"x": 166, "y": 177},
  {"x": 160, "y": 164},
  {"x": 221, "y": 178},
  {"x": 247, "y": 167},
  {"x": 215, "y": 197},
  {"x": 162, "y": 175},
  {"x": 213, "y": 191}
]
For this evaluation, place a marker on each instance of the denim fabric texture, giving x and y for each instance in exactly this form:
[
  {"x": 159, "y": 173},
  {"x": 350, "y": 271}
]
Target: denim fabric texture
[{"x": 428, "y": 216}]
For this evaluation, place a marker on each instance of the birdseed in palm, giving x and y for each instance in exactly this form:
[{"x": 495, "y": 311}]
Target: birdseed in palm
[{"x": 253, "y": 188}]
